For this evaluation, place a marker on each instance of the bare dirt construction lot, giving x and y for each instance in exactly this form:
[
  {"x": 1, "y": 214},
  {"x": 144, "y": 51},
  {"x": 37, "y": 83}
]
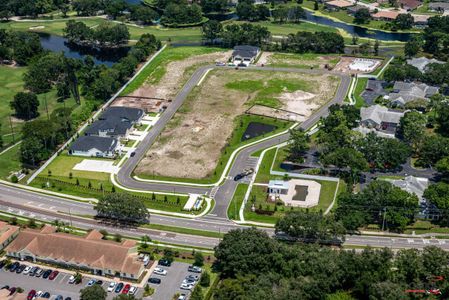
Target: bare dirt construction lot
[
  {"x": 307, "y": 60},
  {"x": 353, "y": 65},
  {"x": 192, "y": 143}
]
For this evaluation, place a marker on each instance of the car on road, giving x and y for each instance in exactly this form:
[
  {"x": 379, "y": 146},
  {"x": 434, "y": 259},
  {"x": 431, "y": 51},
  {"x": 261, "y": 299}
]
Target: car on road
[
  {"x": 31, "y": 295},
  {"x": 126, "y": 289},
  {"x": 46, "y": 273},
  {"x": 160, "y": 271},
  {"x": 46, "y": 295},
  {"x": 20, "y": 269},
  {"x": 132, "y": 154},
  {"x": 220, "y": 64},
  {"x": 13, "y": 266},
  {"x": 238, "y": 177},
  {"x": 119, "y": 287},
  {"x": 164, "y": 262},
  {"x": 111, "y": 286},
  {"x": 193, "y": 277},
  {"x": 91, "y": 282},
  {"x": 132, "y": 290},
  {"x": 39, "y": 272},
  {"x": 27, "y": 270},
  {"x": 154, "y": 280},
  {"x": 53, "y": 275},
  {"x": 195, "y": 269},
  {"x": 185, "y": 286}
]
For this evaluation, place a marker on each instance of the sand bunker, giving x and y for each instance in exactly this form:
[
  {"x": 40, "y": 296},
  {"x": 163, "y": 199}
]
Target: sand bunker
[
  {"x": 299, "y": 102},
  {"x": 36, "y": 27}
]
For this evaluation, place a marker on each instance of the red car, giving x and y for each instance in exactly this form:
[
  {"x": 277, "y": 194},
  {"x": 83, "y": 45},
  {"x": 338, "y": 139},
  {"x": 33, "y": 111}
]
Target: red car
[
  {"x": 31, "y": 295},
  {"x": 126, "y": 289},
  {"x": 53, "y": 275}
]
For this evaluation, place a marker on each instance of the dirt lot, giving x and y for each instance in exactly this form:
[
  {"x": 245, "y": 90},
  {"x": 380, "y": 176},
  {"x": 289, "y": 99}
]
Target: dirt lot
[
  {"x": 191, "y": 144},
  {"x": 297, "y": 60},
  {"x": 346, "y": 61}
]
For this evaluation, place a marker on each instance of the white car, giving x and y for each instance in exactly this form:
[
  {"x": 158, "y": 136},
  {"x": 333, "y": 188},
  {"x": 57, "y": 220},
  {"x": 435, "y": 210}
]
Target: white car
[
  {"x": 195, "y": 269},
  {"x": 193, "y": 277},
  {"x": 72, "y": 279},
  {"x": 189, "y": 281},
  {"x": 38, "y": 294},
  {"x": 27, "y": 270},
  {"x": 185, "y": 286},
  {"x": 160, "y": 271},
  {"x": 111, "y": 286},
  {"x": 182, "y": 297},
  {"x": 132, "y": 290},
  {"x": 91, "y": 282}
]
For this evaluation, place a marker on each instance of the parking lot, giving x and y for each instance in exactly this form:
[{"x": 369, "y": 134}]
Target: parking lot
[
  {"x": 170, "y": 283},
  {"x": 58, "y": 286}
]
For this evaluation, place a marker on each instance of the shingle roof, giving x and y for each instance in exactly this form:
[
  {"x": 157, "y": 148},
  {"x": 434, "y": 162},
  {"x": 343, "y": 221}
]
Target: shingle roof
[
  {"x": 121, "y": 112},
  {"x": 409, "y": 91},
  {"x": 92, "y": 252},
  {"x": 379, "y": 114},
  {"x": 411, "y": 4},
  {"x": 117, "y": 120},
  {"x": 439, "y": 5},
  {"x": 86, "y": 143},
  {"x": 411, "y": 184},
  {"x": 392, "y": 15},
  {"x": 6, "y": 231},
  {"x": 245, "y": 51},
  {"x": 339, "y": 3}
]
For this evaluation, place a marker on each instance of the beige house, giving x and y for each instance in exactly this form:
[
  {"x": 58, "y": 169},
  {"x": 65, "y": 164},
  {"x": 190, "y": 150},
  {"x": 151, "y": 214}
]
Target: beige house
[
  {"x": 7, "y": 234},
  {"x": 89, "y": 252}
]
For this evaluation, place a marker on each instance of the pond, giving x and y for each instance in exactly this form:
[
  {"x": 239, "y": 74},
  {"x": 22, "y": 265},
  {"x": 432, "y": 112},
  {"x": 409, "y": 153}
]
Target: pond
[
  {"x": 256, "y": 129},
  {"x": 359, "y": 31},
  {"x": 107, "y": 57}
]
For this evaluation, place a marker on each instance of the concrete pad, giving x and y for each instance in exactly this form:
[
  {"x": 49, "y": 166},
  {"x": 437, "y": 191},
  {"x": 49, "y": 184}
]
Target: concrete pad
[
  {"x": 93, "y": 165},
  {"x": 313, "y": 193}
]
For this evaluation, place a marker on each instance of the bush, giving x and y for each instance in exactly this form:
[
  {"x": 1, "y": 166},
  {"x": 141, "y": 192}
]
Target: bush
[
  {"x": 205, "y": 279},
  {"x": 14, "y": 179}
]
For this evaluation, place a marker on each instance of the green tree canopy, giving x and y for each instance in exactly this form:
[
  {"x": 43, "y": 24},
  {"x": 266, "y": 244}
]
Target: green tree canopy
[
  {"x": 94, "y": 292},
  {"x": 25, "y": 105},
  {"x": 122, "y": 207}
]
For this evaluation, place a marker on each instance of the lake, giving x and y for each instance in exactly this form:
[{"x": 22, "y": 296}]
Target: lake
[{"x": 107, "y": 57}]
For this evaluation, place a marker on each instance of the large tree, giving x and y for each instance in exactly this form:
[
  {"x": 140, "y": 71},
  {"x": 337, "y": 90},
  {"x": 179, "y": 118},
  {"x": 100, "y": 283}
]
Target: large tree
[
  {"x": 298, "y": 145},
  {"x": 94, "y": 292},
  {"x": 212, "y": 30},
  {"x": 412, "y": 128},
  {"x": 25, "y": 105},
  {"x": 362, "y": 16},
  {"x": 438, "y": 194},
  {"x": 122, "y": 207}
]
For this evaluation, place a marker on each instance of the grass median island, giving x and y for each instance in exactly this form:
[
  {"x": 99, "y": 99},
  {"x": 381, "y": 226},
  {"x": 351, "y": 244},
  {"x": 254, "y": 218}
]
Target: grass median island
[
  {"x": 237, "y": 200},
  {"x": 359, "y": 89}
]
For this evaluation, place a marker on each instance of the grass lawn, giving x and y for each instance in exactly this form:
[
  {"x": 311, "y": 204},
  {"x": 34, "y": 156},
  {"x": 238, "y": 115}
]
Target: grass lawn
[
  {"x": 263, "y": 175},
  {"x": 278, "y": 29},
  {"x": 156, "y": 69},
  {"x": 9, "y": 161},
  {"x": 420, "y": 227},
  {"x": 236, "y": 203},
  {"x": 56, "y": 27},
  {"x": 304, "y": 61},
  {"x": 11, "y": 82},
  {"x": 182, "y": 230},
  {"x": 359, "y": 88},
  {"x": 258, "y": 197}
]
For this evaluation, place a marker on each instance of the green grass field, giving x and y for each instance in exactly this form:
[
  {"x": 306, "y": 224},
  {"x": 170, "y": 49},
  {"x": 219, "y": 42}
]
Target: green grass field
[
  {"x": 10, "y": 161},
  {"x": 359, "y": 88},
  {"x": 237, "y": 199}
]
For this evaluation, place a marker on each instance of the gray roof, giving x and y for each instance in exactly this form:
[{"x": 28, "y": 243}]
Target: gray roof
[
  {"x": 116, "y": 120},
  {"x": 86, "y": 143},
  {"x": 439, "y": 5},
  {"x": 413, "y": 185},
  {"x": 422, "y": 62},
  {"x": 404, "y": 92},
  {"x": 245, "y": 51},
  {"x": 380, "y": 114}
]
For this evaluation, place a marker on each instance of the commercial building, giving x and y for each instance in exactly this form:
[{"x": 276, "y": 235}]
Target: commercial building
[{"x": 7, "y": 234}]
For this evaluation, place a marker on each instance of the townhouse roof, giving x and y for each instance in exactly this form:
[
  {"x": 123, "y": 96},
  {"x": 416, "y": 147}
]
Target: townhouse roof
[
  {"x": 421, "y": 19},
  {"x": 245, "y": 51},
  {"x": 89, "y": 250},
  {"x": 116, "y": 120},
  {"x": 339, "y": 3},
  {"x": 421, "y": 63},
  {"x": 131, "y": 114},
  {"x": 383, "y": 14},
  {"x": 380, "y": 114},
  {"x": 88, "y": 142},
  {"x": 6, "y": 231}
]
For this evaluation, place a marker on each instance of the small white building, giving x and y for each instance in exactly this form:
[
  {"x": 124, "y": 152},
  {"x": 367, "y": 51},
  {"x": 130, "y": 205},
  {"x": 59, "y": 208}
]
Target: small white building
[
  {"x": 94, "y": 146},
  {"x": 278, "y": 187}
]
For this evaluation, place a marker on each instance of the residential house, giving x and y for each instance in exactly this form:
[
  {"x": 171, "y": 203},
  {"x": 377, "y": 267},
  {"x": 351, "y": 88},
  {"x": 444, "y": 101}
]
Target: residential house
[
  {"x": 405, "y": 92},
  {"x": 373, "y": 90},
  {"x": 421, "y": 20},
  {"x": 409, "y": 5},
  {"x": 380, "y": 120},
  {"x": 116, "y": 121},
  {"x": 89, "y": 252},
  {"x": 7, "y": 234},
  {"x": 94, "y": 146},
  {"x": 353, "y": 9},
  {"x": 439, "y": 7},
  {"x": 245, "y": 54},
  {"x": 421, "y": 63},
  {"x": 336, "y": 5},
  {"x": 384, "y": 15}
]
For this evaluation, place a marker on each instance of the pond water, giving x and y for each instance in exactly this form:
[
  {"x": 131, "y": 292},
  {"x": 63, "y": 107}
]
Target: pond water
[
  {"x": 107, "y": 57},
  {"x": 256, "y": 129},
  {"x": 359, "y": 31}
]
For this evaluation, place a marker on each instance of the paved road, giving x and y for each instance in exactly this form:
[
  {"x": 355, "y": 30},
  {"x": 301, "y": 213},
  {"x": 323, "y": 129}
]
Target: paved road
[{"x": 225, "y": 192}]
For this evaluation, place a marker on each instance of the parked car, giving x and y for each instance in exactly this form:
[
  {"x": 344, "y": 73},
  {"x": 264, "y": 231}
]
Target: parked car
[
  {"x": 238, "y": 177},
  {"x": 13, "y": 266},
  {"x": 59, "y": 297},
  {"x": 185, "y": 286},
  {"x": 12, "y": 290},
  {"x": 39, "y": 272},
  {"x": 68, "y": 298},
  {"x": 193, "y": 277},
  {"x": 119, "y": 287},
  {"x": 5, "y": 287},
  {"x": 164, "y": 262},
  {"x": 53, "y": 275},
  {"x": 189, "y": 281},
  {"x": 39, "y": 294},
  {"x": 27, "y": 270},
  {"x": 182, "y": 297},
  {"x": 126, "y": 289},
  {"x": 46, "y": 273},
  {"x": 91, "y": 282},
  {"x": 195, "y": 269},
  {"x": 20, "y": 269},
  {"x": 33, "y": 271},
  {"x": 154, "y": 280},
  {"x": 46, "y": 295},
  {"x": 160, "y": 271},
  {"x": 2, "y": 263},
  {"x": 31, "y": 295},
  {"x": 99, "y": 282},
  {"x": 132, "y": 290},
  {"x": 71, "y": 279},
  {"x": 111, "y": 286},
  {"x": 220, "y": 64}
]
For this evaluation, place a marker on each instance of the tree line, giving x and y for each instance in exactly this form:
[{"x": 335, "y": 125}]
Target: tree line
[
  {"x": 19, "y": 46},
  {"x": 104, "y": 35},
  {"x": 255, "y": 266}
]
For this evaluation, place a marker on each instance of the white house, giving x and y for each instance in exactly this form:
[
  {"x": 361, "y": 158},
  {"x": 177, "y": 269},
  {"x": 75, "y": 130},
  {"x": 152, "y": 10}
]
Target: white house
[
  {"x": 245, "y": 54},
  {"x": 94, "y": 146},
  {"x": 278, "y": 187}
]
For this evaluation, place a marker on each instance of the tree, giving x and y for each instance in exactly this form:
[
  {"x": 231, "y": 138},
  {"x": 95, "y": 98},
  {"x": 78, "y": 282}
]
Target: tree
[
  {"x": 122, "y": 207},
  {"x": 299, "y": 144},
  {"x": 412, "y": 47},
  {"x": 94, "y": 292},
  {"x": 246, "y": 11},
  {"x": 442, "y": 119},
  {"x": 25, "y": 105},
  {"x": 209, "y": 6},
  {"x": 404, "y": 21},
  {"x": 24, "y": 45},
  {"x": 212, "y": 30},
  {"x": 281, "y": 14},
  {"x": 438, "y": 194},
  {"x": 315, "y": 5},
  {"x": 376, "y": 47},
  {"x": 197, "y": 293},
  {"x": 348, "y": 158},
  {"x": 362, "y": 16},
  {"x": 125, "y": 297},
  {"x": 198, "y": 259},
  {"x": 412, "y": 128},
  {"x": 205, "y": 279},
  {"x": 433, "y": 148},
  {"x": 443, "y": 166}
]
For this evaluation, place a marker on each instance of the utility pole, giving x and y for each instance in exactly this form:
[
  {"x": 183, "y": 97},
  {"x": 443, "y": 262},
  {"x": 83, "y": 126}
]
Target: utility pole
[{"x": 383, "y": 221}]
